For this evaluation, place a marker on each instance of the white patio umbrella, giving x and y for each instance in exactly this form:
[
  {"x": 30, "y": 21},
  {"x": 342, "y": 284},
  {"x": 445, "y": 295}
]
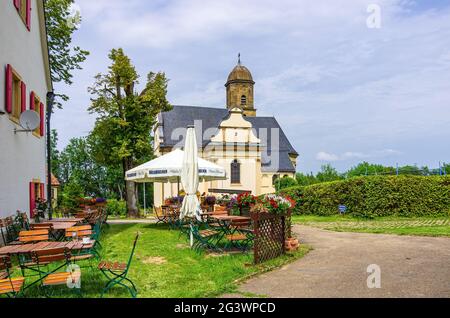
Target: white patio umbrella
[
  {"x": 190, "y": 178},
  {"x": 168, "y": 168}
]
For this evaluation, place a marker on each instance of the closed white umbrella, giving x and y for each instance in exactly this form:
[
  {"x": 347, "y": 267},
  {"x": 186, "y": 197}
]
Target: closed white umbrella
[
  {"x": 190, "y": 177},
  {"x": 189, "y": 180}
]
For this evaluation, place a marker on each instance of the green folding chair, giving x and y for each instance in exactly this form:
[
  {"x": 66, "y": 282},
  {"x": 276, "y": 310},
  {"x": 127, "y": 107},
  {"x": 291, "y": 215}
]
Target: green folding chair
[
  {"x": 10, "y": 287},
  {"x": 58, "y": 274},
  {"x": 206, "y": 238},
  {"x": 116, "y": 273}
]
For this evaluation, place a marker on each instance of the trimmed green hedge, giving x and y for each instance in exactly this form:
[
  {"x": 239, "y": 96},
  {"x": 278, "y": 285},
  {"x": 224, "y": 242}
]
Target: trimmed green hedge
[{"x": 375, "y": 196}]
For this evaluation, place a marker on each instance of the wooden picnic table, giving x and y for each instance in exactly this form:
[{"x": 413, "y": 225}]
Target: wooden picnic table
[
  {"x": 28, "y": 248},
  {"x": 231, "y": 218},
  {"x": 62, "y": 226},
  {"x": 57, "y": 220},
  {"x": 209, "y": 213}
]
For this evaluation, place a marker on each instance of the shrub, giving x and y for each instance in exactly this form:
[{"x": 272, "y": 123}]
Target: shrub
[
  {"x": 375, "y": 196},
  {"x": 71, "y": 194},
  {"x": 116, "y": 207},
  {"x": 285, "y": 182}
]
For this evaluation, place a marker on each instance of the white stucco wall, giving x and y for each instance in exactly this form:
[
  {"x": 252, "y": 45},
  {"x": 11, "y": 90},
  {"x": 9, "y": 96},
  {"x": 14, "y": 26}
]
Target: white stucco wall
[{"x": 22, "y": 155}]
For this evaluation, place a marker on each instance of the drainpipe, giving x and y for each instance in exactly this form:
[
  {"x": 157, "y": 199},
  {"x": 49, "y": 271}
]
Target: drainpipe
[{"x": 50, "y": 100}]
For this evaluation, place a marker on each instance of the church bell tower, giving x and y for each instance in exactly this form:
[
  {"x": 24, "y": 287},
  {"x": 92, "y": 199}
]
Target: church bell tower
[{"x": 240, "y": 89}]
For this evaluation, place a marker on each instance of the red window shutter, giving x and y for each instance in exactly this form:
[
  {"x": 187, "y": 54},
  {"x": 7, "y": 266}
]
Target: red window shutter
[
  {"x": 9, "y": 86},
  {"x": 32, "y": 101},
  {"x": 28, "y": 15},
  {"x": 23, "y": 97},
  {"x": 32, "y": 199},
  {"x": 42, "y": 191},
  {"x": 17, "y": 4},
  {"x": 42, "y": 119}
]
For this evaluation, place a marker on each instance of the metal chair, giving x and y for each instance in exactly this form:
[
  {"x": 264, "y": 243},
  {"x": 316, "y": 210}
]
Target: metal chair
[
  {"x": 116, "y": 273},
  {"x": 207, "y": 238},
  {"x": 55, "y": 277},
  {"x": 11, "y": 287}
]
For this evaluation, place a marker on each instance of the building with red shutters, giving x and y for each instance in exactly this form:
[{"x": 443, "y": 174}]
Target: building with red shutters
[{"x": 24, "y": 82}]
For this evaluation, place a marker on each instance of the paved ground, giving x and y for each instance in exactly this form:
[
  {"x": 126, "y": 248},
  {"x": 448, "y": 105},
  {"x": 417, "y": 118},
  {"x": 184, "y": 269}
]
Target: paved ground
[{"x": 337, "y": 267}]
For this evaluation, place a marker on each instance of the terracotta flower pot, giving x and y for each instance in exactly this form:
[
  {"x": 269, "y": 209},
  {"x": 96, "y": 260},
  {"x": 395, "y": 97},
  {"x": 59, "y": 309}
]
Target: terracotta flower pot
[{"x": 291, "y": 244}]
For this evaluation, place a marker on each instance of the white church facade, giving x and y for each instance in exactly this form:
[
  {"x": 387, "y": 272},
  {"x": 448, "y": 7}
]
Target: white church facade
[{"x": 254, "y": 150}]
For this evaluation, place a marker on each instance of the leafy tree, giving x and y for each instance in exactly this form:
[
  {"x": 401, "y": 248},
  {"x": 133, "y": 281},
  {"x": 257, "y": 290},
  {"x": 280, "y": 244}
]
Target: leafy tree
[
  {"x": 64, "y": 57},
  {"x": 327, "y": 173},
  {"x": 78, "y": 168},
  {"x": 55, "y": 153},
  {"x": 368, "y": 169},
  {"x": 71, "y": 192},
  {"x": 285, "y": 182},
  {"x": 305, "y": 179},
  {"x": 410, "y": 170},
  {"x": 122, "y": 132}
]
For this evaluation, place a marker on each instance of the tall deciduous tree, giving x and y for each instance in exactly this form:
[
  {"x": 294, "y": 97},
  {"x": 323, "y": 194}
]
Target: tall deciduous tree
[
  {"x": 328, "y": 173},
  {"x": 64, "y": 57},
  {"x": 125, "y": 117}
]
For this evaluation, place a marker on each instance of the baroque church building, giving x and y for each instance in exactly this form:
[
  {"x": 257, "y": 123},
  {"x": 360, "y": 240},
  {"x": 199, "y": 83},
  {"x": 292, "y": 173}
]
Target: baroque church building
[{"x": 254, "y": 150}]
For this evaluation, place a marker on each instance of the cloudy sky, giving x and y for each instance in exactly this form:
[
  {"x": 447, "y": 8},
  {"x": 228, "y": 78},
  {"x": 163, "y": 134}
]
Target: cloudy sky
[{"x": 342, "y": 91}]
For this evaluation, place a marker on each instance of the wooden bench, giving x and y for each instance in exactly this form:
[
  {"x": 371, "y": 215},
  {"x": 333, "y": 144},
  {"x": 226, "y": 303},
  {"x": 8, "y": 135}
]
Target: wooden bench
[
  {"x": 236, "y": 237},
  {"x": 41, "y": 226},
  {"x": 33, "y": 236},
  {"x": 53, "y": 277},
  {"x": 207, "y": 233},
  {"x": 80, "y": 231},
  {"x": 8, "y": 285}
]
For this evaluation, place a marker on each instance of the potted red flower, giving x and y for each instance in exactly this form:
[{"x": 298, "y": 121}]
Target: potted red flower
[{"x": 245, "y": 201}]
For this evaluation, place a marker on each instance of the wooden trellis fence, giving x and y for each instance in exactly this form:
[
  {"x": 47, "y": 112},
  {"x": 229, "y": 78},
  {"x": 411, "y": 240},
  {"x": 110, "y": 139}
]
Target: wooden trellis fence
[{"x": 271, "y": 231}]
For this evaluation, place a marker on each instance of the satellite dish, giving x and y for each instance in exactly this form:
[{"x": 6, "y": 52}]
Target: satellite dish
[{"x": 29, "y": 120}]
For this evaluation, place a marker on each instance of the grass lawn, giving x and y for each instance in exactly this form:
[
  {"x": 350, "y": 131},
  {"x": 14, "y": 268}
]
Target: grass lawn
[
  {"x": 424, "y": 226},
  {"x": 165, "y": 266}
]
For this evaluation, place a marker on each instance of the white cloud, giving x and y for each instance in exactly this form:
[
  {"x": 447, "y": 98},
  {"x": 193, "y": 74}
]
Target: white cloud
[
  {"x": 325, "y": 156},
  {"x": 332, "y": 83},
  {"x": 349, "y": 155}
]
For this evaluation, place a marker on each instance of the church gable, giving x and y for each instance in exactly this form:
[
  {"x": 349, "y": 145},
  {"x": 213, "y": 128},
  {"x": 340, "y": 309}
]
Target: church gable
[{"x": 235, "y": 129}]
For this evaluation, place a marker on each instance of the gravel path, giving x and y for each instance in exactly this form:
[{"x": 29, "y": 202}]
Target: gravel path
[{"x": 337, "y": 267}]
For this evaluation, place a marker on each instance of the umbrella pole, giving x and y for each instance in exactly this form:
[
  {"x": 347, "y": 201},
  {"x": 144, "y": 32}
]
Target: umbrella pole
[
  {"x": 192, "y": 235},
  {"x": 178, "y": 186},
  {"x": 145, "y": 202}
]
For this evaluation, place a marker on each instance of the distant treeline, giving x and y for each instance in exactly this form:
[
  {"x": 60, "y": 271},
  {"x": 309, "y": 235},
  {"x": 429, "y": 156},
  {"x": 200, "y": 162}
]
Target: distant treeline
[{"x": 328, "y": 173}]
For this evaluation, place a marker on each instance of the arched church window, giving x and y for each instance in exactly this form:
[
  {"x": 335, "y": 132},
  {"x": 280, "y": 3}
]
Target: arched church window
[
  {"x": 243, "y": 100},
  {"x": 235, "y": 172}
]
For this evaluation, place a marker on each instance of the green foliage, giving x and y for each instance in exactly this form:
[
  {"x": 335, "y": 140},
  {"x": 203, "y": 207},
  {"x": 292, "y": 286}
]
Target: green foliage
[
  {"x": 55, "y": 153},
  {"x": 116, "y": 207},
  {"x": 125, "y": 118},
  {"x": 64, "y": 57},
  {"x": 328, "y": 173},
  {"x": 70, "y": 195},
  {"x": 376, "y": 196},
  {"x": 285, "y": 182},
  {"x": 305, "y": 179},
  {"x": 77, "y": 166},
  {"x": 368, "y": 169}
]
